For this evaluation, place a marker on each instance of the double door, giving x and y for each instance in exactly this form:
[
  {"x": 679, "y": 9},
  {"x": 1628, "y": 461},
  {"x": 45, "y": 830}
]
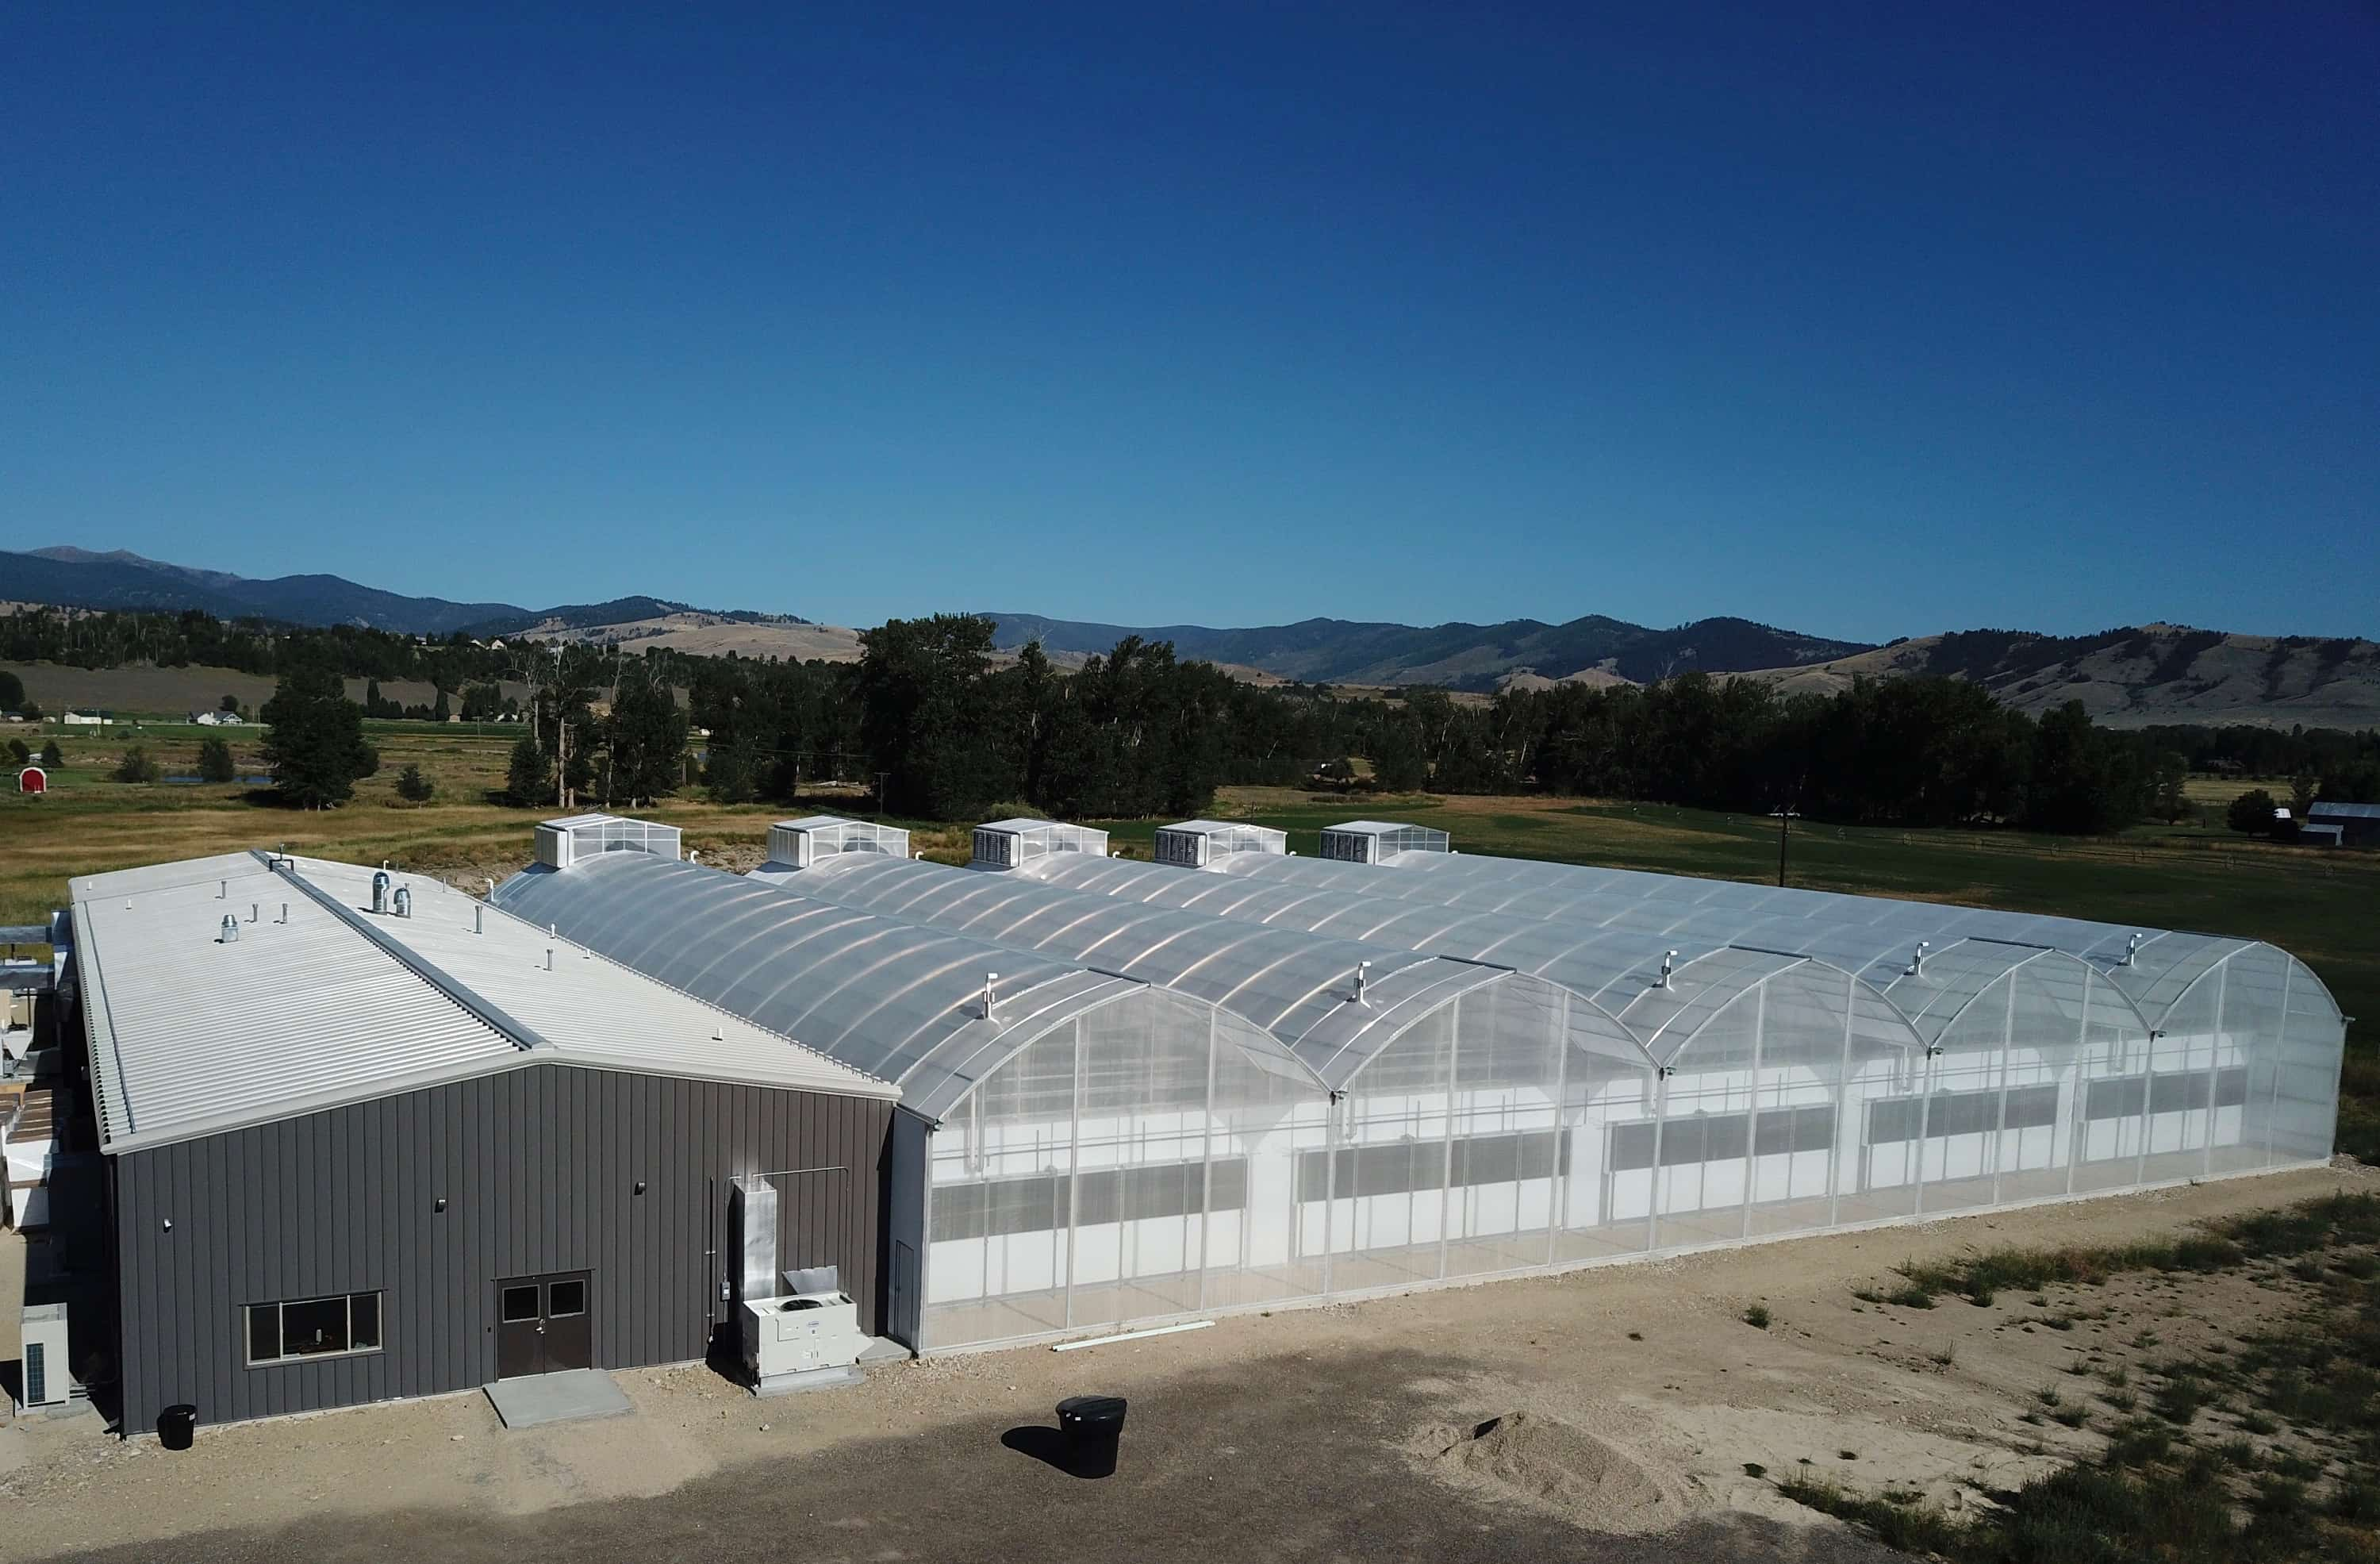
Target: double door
[{"x": 543, "y": 1324}]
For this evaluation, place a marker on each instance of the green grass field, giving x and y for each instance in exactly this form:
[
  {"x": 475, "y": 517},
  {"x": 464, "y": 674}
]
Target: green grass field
[{"x": 2316, "y": 904}]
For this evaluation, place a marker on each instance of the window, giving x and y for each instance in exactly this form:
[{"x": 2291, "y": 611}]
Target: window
[
  {"x": 1402, "y": 1167},
  {"x": 1691, "y": 1138},
  {"x": 1961, "y": 1112},
  {"x": 313, "y": 1327},
  {"x": 564, "y": 1298},
  {"x": 520, "y": 1305},
  {"x": 1098, "y": 1196}
]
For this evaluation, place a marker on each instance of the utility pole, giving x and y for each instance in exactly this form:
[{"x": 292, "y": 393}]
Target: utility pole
[
  {"x": 1784, "y": 818},
  {"x": 881, "y": 779}
]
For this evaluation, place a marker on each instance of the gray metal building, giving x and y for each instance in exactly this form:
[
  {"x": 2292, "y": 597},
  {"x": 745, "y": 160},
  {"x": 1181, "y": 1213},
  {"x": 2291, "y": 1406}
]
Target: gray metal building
[{"x": 357, "y": 1155}]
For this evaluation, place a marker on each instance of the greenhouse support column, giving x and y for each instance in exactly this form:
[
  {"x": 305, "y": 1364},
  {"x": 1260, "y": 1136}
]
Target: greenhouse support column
[
  {"x": 1842, "y": 1089},
  {"x": 1331, "y": 1105},
  {"x": 1207, "y": 1172},
  {"x": 1924, "y": 1113},
  {"x": 1752, "y": 1115},
  {"x": 2280, "y": 1040},
  {"x": 2213, "y": 1062},
  {"x": 1658, "y": 1100},
  {"x": 1446, "y": 1163},
  {"x": 2148, "y": 1108},
  {"x": 926, "y": 1245},
  {"x": 1558, "y": 1208},
  {"x": 2000, "y": 1119},
  {"x": 1074, "y": 1169},
  {"x": 2078, "y": 1137}
]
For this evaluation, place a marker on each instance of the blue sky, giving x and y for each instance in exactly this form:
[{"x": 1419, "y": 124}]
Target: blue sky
[{"x": 1869, "y": 321}]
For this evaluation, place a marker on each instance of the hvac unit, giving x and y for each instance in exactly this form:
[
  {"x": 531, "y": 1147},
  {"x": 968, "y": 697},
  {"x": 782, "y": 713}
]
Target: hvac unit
[
  {"x": 47, "y": 1381},
  {"x": 807, "y": 1334}
]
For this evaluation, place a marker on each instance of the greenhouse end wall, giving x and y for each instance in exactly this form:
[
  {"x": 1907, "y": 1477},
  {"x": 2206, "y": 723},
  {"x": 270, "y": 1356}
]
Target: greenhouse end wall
[{"x": 1139, "y": 1165}]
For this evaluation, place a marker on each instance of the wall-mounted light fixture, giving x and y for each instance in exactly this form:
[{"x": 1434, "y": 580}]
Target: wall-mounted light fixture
[
  {"x": 438, "y": 1205},
  {"x": 640, "y": 1186}
]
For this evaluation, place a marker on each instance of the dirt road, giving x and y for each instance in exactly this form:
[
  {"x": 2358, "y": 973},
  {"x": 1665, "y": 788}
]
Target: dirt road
[{"x": 1622, "y": 1412}]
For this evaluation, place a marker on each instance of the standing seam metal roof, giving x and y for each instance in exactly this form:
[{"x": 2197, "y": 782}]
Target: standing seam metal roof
[{"x": 317, "y": 1003}]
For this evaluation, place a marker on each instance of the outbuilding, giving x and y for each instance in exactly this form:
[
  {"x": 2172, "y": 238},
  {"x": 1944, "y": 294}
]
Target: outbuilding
[{"x": 365, "y": 1138}]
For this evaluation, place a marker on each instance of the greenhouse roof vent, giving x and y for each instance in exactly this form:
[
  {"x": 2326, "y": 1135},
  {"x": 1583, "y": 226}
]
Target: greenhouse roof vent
[
  {"x": 561, "y": 843},
  {"x": 1207, "y": 844},
  {"x": 815, "y": 838},
  {"x": 1380, "y": 842},
  {"x": 1020, "y": 844}
]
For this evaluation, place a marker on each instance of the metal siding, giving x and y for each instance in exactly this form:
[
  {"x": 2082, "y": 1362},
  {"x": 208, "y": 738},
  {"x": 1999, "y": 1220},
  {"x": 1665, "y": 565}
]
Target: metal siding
[{"x": 341, "y": 1200}]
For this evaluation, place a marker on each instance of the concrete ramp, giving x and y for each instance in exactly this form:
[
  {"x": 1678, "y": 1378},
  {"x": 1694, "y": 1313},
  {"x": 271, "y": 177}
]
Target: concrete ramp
[{"x": 567, "y": 1397}]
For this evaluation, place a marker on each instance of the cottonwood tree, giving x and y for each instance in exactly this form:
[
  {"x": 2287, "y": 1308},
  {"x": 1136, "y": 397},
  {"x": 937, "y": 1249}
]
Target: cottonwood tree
[{"x": 215, "y": 761}]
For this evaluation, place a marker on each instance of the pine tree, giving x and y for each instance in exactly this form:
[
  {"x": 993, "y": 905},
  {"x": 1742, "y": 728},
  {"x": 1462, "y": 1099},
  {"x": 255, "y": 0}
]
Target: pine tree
[
  {"x": 414, "y": 788},
  {"x": 52, "y": 756},
  {"x": 315, "y": 740},
  {"x": 529, "y": 779},
  {"x": 646, "y": 733}
]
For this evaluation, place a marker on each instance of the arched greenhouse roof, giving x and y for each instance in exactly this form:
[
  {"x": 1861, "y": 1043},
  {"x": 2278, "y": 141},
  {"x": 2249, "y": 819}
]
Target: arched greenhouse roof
[
  {"x": 901, "y": 1002},
  {"x": 1296, "y": 984}
]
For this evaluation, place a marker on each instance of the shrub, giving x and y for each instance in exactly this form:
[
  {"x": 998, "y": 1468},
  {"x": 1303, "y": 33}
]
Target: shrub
[
  {"x": 136, "y": 766},
  {"x": 1756, "y": 1316},
  {"x": 215, "y": 761},
  {"x": 414, "y": 788}
]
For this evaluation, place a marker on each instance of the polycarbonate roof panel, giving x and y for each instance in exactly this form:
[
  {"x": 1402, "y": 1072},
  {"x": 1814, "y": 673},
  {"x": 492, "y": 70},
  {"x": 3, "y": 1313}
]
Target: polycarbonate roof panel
[
  {"x": 1875, "y": 936},
  {"x": 190, "y": 1036},
  {"x": 1286, "y": 980},
  {"x": 901, "y": 1002},
  {"x": 1667, "y": 1019}
]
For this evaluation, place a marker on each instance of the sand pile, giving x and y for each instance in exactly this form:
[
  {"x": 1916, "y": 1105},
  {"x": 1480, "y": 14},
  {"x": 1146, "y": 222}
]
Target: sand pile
[{"x": 1557, "y": 1466}]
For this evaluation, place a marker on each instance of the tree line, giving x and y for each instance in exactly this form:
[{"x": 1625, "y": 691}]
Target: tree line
[{"x": 945, "y": 729}]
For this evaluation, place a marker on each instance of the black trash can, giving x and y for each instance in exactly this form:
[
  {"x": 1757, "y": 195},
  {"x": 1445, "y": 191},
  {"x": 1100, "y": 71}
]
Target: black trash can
[
  {"x": 1089, "y": 1427},
  {"x": 177, "y": 1425}
]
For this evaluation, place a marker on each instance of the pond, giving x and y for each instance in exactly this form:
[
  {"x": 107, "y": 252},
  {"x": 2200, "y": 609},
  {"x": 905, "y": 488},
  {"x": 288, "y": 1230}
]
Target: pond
[{"x": 202, "y": 782}]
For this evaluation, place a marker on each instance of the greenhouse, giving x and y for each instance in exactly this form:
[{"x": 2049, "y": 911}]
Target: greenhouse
[
  {"x": 1092, "y": 1149},
  {"x": 1273, "y": 1078},
  {"x": 2182, "y": 1055}
]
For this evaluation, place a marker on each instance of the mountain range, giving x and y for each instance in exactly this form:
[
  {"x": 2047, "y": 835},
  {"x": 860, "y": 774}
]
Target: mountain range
[{"x": 2128, "y": 676}]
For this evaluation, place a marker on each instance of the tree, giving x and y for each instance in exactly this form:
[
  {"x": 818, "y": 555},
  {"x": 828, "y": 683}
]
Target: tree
[
  {"x": 17, "y": 752},
  {"x": 229, "y": 703},
  {"x": 441, "y": 712},
  {"x": 482, "y": 703},
  {"x": 2084, "y": 781},
  {"x": 32, "y": 711},
  {"x": 733, "y": 774},
  {"x": 215, "y": 761},
  {"x": 646, "y": 735},
  {"x": 2251, "y": 813},
  {"x": 12, "y": 691},
  {"x": 136, "y": 766},
  {"x": 414, "y": 788},
  {"x": 314, "y": 739},
  {"x": 930, "y": 716},
  {"x": 527, "y": 780},
  {"x": 52, "y": 756},
  {"x": 2303, "y": 788}
]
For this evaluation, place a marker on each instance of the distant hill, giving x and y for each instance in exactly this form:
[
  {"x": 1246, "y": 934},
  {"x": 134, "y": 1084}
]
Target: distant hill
[
  {"x": 2129, "y": 677},
  {"x": 2134, "y": 676},
  {"x": 1460, "y": 656},
  {"x": 84, "y": 580}
]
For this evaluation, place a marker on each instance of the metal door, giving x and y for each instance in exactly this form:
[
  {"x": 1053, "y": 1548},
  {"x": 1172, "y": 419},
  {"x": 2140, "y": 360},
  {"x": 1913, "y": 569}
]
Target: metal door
[{"x": 543, "y": 1324}]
